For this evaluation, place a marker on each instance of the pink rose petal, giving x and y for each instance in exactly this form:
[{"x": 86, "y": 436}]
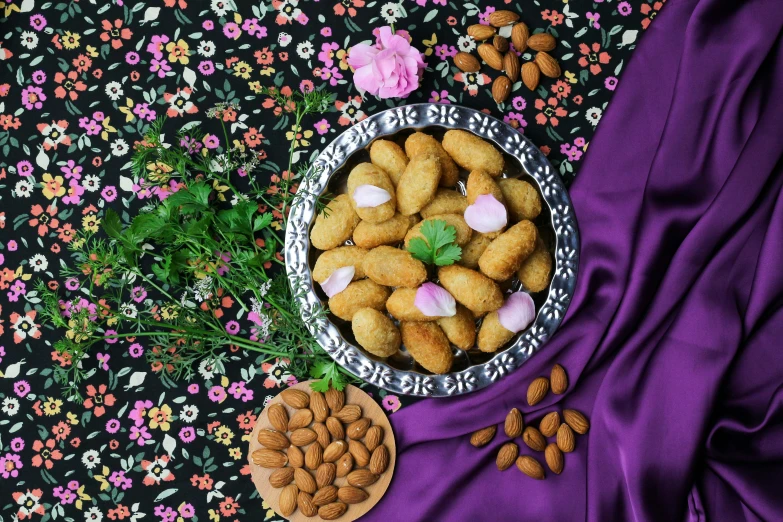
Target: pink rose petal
[
  {"x": 338, "y": 280},
  {"x": 434, "y": 301},
  {"x": 517, "y": 312},
  {"x": 370, "y": 196},
  {"x": 486, "y": 214}
]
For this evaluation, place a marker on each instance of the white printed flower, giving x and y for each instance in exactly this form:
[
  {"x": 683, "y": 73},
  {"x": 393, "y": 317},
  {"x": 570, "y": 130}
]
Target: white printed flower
[
  {"x": 38, "y": 263},
  {"x": 206, "y": 48},
  {"x": 91, "y": 183},
  {"x": 220, "y": 7},
  {"x": 466, "y": 44},
  {"x": 305, "y": 50},
  {"x": 593, "y": 115},
  {"x": 10, "y": 406},
  {"x": 189, "y": 413},
  {"x": 23, "y": 188},
  {"x": 90, "y": 459},
  {"x": 391, "y": 12},
  {"x": 119, "y": 147},
  {"x": 114, "y": 90},
  {"x": 29, "y": 40},
  {"x": 129, "y": 310}
]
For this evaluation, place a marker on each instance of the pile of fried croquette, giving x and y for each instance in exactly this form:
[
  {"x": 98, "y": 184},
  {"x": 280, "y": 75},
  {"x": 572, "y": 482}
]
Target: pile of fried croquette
[{"x": 421, "y": 179}]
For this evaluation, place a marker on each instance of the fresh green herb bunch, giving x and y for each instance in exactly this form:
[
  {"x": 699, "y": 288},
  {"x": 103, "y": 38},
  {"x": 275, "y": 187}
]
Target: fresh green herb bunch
[{"x": 202, "y": 245}]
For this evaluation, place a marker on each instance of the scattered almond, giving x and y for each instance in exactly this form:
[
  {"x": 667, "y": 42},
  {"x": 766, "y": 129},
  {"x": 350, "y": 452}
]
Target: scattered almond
[
  {"x": 305, "y": 481},
  {"x": 288, "y": 500},
  {"x": 314, "y": 456},
  {"x": 502, "y": 18},
  {"x": 531, "y": 467},
  {"x": 554, "y": 458},
  {"x": 519, "y": 35},
  {"x": 344, "y": 465},
  {"x": 325, "y": 474},
  {"x": 379, "y": 460},
  {"x": 507, "y": 455},
  {"x": 325, "y": 495},
  {"x": 273, "y": 439},
  {"x": 565, "y": 439},
  {"x": 348, "y": 414},
  {"x": 537, "y": 390},
  {"x": 318, "y": 406},
  {"x": 324, "y": 437},
  {"x": 335, "y": 428},
  {"x": 514, "y": 424},
  {"x": 301, "y": 419},
  {"x": 466, "y": 62},
  {"x": 577, "y": 421},
  {"x": 361, "y": 455},
  {"x": 548, "y": 65},
  {"x": 281, "y": 477},
  {"x": 352, "y": 495},
  {"x": 361, "y": 478},
  {"x": 491, "y": 56},
  {"x": 373, "y": 438},
  {"x": 268, "y": 458},
  {"x": 480, "y": 32},
  {"x": 295, "y": 457},
  {"x": 511, "y": 66},
  {"x": 332, "y": 511},
  {"x": 501, "y": 88},
  {"x": 303, "y": 437},
  {"x": 278, "y": 417},
  {"x": 533, "y": 438},
  {"x": 549, "y": 424},
  {"x": 483, "y": 436},
  {"x": 500, "y": 43},
  {"x": 531, "y": 75},
  {"x": 295, "y": 398},
  {"x": 541, "y": 42},
  {"x": 357, "y": 429},
  {"x": 304, "y": 502},
  {"x": 558, "y": 379},
  {"x": 335, "y": 399},
  {"x": 335, "y": 450}
]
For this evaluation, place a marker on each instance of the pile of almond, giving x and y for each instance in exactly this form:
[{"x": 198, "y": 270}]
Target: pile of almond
[
  {"x": 325, "y": 439},
  {"x": 536, "y": 438},
  {"x": 496, "y": 53}
]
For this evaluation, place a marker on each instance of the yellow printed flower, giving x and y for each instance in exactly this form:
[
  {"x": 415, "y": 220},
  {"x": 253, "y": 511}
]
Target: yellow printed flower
[
  {"x": 213, "y": 515},
  {"x": 8, "y": 8},
  {"x": 570, "y": 77},
  {"x": 224, "y": 435},
  {"x": 91, "y": 51},
  {"x": 78, "y": 332},
  {"x": 83, "y": 497},
  {"x": 107, "y": 128},
  {"x": 90, "y": 222},
  {"x": 72, "y": 418},
  {"x": 158, "y": 172},
  {"x": 71, "y": 40},
  {"x": 221, "y": 189},
  {"x": 298, "y": 137},
  {"x": 267, "y": 71},
  {"x": 169, "y": 312},
  {"x": 255, "y": 86},
  {"x": 102, "y": 478},
  {"x": 159, "y": 417},
  {"x": 52, "y": 186},
  {"x": 235, "y": 453},
  {"x": 342, "y": 57},
  {"x": 178, "y": 52},
  {"x": 242, "y": 70},
  {"x": 127, "y": 110},
  {"x": 52, "y": 406}
]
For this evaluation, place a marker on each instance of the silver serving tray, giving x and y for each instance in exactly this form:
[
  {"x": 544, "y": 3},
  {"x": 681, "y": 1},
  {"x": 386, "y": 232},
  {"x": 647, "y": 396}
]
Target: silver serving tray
[{"x": 471, "y": 370}]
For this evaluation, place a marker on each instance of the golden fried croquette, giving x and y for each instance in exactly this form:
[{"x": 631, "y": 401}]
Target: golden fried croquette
[
  {"x": 471, "y": 152},
  {"x": 392, "y": 231},
  {"x": 364, "y": 293},
  {"x": 339, "y": 257},
  {"x": 472, "y": 251},
  {"x": 375, "y": 332},
  {"x": 522, "y": 200},
  {"x": 391, "y": 266},
  {"x": 369, "y": 174},
  {"x": 446, "y": 201},
  {"x": 492, "y": 335},
  {"x": 508, "y": 251},
  {"x": 418, "y": 183},
  {"x": 535, "y": 271},
  {"x": 480, "y": 183},
  {"x": 334, "y": 225},
  {"x": 419, "y": 142},
  {"x": 390, "y": 157},
  {"x": 470, "y": 288},
  {"x": 463, "y": 231},
  {"x": 428, "y": 345},
  {"x": 401, "y": 306},
  {"x": 460, "y": 328}
]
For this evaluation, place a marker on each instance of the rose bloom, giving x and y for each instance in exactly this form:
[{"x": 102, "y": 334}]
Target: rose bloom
[{"x": 389, "y": 69}]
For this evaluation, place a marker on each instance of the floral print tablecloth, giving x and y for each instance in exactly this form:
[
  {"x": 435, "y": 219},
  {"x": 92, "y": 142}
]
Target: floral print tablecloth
[{"x": 80, "y": 82}]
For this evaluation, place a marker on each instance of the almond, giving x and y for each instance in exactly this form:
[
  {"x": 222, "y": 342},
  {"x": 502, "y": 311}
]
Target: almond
[
  {"x": 537, "y": 390},
  {"x": 519, "y": 35},
  {"x": 335, "y": 428},
  {"x": 304, "y": 502},
  {"x": 314, "y": 456},
  {"x": 507, "y": 454},
  {"x": 577, "y": 421},
  {"x": 295, "y": 457},
  {"x": 554, "y": 458},
  {"x": 514, "y": 424},
  {"x": 273, "y": 439},
  {"x": 501, "y": 88},
  {"x": 295, "y": 398},
  {"x": 325, "y": 474},
  {"x": 491, "y": 56},
  {"x": 549, "y": 424},
  {"x": 325, "y": 495},
  {"x": 344, "y": 465},
  {"x": 269, "y": 458},
  {"x": 548, "y": 65},
  {"x": 502, "y": 18},
  {"x": 301, "y": 419},
  {"x": 379, "y": 460},
  {"x": 324, "y": 437},
  {"x": 305, "y": 481},
  {"x": 335, "y": 450},
  {"x": 318, "y": 406},
  {"x": 352, "y": 495},
  {"x": 511, "y": 66},
  {"x": 359, "y": 452},
  {"x": 558, "y": 379},
  {"x": 373, "y": 438},
  {"x": 303, "y": 437},
  {"x": 565, "y": 439},
  {"x": 332, "y": 511},
  {"x": 288, "y": 500},
  {"x": 466, "y": 62},
  {"x": 483, "y": 436},
  {"x": 541, "y": 42},
  {"x": 531, "y": 75},
  {"x": 281, "y": 477},
  {"x": 531, "y": 467},
  {"x": 335, "y": 399},
  {"x": 348, "y": 414},
  {"x": 500, "y": 43},
  {"x": 533, "y": 438},
  {"x": 361, "y": 478},
  {"x": 278, "y": 417},
  {"x": 480, "y": 32},
  {"x": 357, "y": 429}
]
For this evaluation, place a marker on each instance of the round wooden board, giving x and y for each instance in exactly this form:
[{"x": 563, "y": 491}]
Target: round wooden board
[{"x": 370, "y": 410}]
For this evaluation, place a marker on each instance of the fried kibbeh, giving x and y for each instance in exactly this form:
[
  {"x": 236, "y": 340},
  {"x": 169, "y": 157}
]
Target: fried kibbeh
[
  {"x": 480, "y": 183},
  {"x": 334, "y": 224},
  {"x": 364, "y": 293},
  {"x": 472, "y": 251},
  {"x": 369, "y": 174},
  {"x": 428, "y": 345},
  {"x": 419, "y": 143},
  {"x": 390, "y": 232},
  {"x": 418, "y": 183},
  {"x": 446, "y": 201},
  {"x": 492, "y": 335},
  {"x": 375, "y": 332},
  {"x": 460, "y": 328},
  {"x": 401, "y": 306},
  {"x": 522, "y": 200},
  {"x": 471, "y": 152},
  {"x": 390, "y": 157},
  {"x": 535, "y": 272},
  {"x": 339, "y": 257},
  {"x": 476, "y": 291},
  {"x": 508, "y": 251},
  {"x": 463, "y": 231},
  {"x": 394, "y": 267}
]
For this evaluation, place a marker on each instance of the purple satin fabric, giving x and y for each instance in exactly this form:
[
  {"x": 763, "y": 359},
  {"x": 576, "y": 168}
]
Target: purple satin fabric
[{"x": 673, "y": 341}]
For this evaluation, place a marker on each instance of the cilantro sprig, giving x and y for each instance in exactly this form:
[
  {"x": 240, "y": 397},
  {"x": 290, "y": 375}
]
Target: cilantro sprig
[
  {"x": 438, "y": 246},
  {"x": 330, "y": 376}
]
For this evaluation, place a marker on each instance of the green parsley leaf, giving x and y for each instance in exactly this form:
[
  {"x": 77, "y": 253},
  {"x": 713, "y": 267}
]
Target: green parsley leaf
[
  {"x": 438, "y": 246},
  {"x": 328, "y": 372},
  {"x": 112, "y": 224}
]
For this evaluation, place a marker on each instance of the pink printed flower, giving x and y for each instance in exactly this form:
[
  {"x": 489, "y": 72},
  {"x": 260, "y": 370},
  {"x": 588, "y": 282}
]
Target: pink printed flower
[
  {"x": 115, "y": 32},
  {"x": 592, "y": 57},
  {"x": 33, "y": 97},
  {"x": 549, "y": 112},
  {"x": 99, "y": 399},
  {"x": 70, "y": 85},
  {"x": 390, "y": 69},
  {"x": 157, "y": 471}
]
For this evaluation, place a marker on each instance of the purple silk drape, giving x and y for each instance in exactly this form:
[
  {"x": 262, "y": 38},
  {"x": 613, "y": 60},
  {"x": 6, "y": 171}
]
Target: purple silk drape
[{"x": 674, "y": 340}]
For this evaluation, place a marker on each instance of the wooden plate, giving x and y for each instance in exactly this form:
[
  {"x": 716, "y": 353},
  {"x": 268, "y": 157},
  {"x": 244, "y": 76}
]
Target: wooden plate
[{"x": 370, "y": 410}]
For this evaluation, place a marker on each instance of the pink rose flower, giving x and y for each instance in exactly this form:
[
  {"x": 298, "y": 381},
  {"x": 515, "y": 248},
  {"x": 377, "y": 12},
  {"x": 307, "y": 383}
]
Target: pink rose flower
[{"x": 389, "y": 69}]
